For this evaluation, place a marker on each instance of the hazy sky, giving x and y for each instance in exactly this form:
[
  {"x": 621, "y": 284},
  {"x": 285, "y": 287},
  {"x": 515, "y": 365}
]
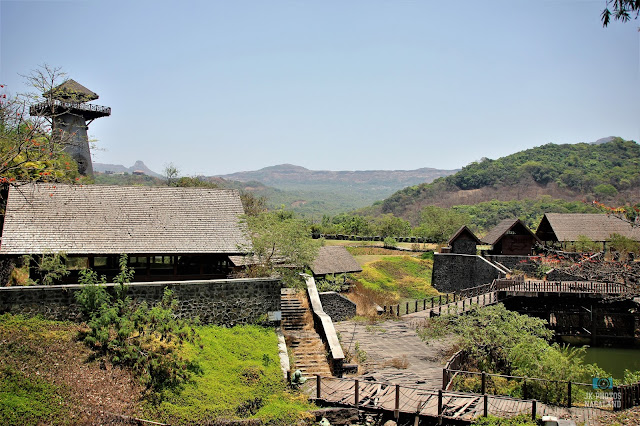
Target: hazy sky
[{"x": 223, "y": 86}]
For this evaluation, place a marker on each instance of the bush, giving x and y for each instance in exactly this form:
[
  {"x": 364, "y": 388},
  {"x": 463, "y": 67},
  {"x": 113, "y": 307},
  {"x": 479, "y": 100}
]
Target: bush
[
  {"x": 145, "y": 339},
  {"x": 390, "y": 242}
]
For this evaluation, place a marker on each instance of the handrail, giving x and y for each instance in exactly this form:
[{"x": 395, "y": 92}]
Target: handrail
[{"x": 324, "y": 326}]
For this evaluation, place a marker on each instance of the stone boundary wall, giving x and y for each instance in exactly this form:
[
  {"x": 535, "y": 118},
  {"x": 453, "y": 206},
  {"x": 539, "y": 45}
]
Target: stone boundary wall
[
  {"x": 453, "y": 272},
  {"x": 222, "y": 302},
  {"x": 338, "y": 307}
]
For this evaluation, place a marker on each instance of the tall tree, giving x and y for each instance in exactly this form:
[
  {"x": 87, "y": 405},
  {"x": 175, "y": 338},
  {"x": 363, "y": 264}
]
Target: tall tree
[{"x": 280, "y": 244}]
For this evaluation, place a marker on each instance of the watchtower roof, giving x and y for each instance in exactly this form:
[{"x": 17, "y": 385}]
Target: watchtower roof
[{"x": 71, "y": 91}]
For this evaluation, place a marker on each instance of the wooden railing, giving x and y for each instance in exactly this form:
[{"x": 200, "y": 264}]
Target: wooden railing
[
  {"x": 390, "y": 397},
  {"x": 579, "y": 287},
  {"x": 562, "y": 392}
]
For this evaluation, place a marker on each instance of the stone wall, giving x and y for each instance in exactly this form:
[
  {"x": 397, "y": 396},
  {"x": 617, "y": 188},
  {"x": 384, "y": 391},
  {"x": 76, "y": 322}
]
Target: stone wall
[
  {"x": 223, "y": 302},
  {"x": 338, "y": 307},
  {"x": 453, "y": 272}
]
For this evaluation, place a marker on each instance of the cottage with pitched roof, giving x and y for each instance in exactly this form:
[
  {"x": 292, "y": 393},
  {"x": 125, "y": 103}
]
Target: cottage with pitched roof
[
  {"x": 567, "y": 228},
  {"x": 511, "y": 237},
  {"x": 168, "y": 233}
]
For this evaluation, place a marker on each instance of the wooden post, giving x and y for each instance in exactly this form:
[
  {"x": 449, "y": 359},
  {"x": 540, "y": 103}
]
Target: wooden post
[
  {"x": 357, "y": 393},
  {"x": 407, "y": 310},
  {"x": 534, "y": 410},
  {"x": 440, "y": 300},
  {"x": 416, "y": 306},
  {"x": 318, "y": 392},
  {"x": 447, "y": 298},
  {"x": 569, "y": 394},
  {"x": 439, "y": 406},
  {"x": 445, "y": 378},
  {"x": 484, "y": 383},
  {"x": 289, "y": 377},
  {"x": 396, "y": 411},
  {"x": 486, "y": 405},
  {"x": 398, "y": 310},
  {"x": 424, "y": 304},
  {"x": 432, "y": 300}
]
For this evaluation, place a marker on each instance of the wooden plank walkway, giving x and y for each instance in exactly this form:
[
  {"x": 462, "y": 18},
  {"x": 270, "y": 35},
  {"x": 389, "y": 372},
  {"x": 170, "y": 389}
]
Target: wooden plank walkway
[{"x": 424, "y": 402}]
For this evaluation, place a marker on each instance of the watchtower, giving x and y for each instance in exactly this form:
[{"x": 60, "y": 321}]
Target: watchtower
[{"x": 71, "y": 115}]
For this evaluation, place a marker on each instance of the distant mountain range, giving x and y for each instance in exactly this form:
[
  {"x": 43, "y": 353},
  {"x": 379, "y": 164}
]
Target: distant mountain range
[
  {"x": 118, "y": 168},
  {"x": 289, "y": 176}
]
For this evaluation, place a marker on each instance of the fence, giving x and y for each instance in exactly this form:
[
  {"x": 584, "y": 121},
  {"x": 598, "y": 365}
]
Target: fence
[
  {"x": 445, "y": 303},
  {"x": 371, "y": 395}
]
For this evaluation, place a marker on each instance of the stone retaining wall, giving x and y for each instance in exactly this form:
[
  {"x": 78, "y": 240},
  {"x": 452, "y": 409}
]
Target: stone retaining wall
[
  {"x": 223, "y": 302},
  {"x": 338, "y": 307},
  {"x": 453, "y": 272}
]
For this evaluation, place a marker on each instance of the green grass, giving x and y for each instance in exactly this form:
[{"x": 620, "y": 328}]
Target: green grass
[
  {"x": 25, "y": 397},
  {"x": 403, "y": 277},
  {"x": 28, "y": 400},
  {"x": 241, "y": 378}
]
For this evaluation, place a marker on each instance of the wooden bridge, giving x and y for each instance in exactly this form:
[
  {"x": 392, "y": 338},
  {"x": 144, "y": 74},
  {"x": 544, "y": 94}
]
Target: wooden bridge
[
  {"x": 417, "y": 402},
  {"x": 490, "y": 294}
]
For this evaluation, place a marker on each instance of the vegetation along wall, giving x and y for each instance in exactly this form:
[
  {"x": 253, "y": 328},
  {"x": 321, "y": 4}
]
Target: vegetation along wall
[{"x": 222, "y": 302}]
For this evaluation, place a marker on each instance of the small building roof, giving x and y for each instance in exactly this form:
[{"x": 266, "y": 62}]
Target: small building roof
[
  {"x": 464, "y": 232},
  {"x": 597, "y": 227},
  {"x": 72, "y": 91},
  {"x": 505, "y": 226},
  {"x": 334, "y": 260},
  {"x": 98, "y": 219}
]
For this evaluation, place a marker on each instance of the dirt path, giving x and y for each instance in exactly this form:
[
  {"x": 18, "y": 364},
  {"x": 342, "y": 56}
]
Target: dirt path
[{"x": 395, "y": 353}]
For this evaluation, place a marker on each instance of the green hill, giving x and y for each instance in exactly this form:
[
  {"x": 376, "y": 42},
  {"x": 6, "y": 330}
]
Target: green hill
[{"x": 609, "y": 172}]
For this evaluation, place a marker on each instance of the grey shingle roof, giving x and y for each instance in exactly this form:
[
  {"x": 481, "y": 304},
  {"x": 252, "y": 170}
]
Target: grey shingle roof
[
  {"x": 334, "y": 260},
  {"x": 115, "y": 219},
  {"x": 501, "y": 228},
  {"x": 597, "y": 227}
]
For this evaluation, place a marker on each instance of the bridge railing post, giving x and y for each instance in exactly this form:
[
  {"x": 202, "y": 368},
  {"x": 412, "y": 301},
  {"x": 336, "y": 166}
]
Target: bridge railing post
[
  {"x": 356, "y": 397},
  {"x": 534, "y": 410},
  {"x": 318, "y": 386},
  {"x": 440, "y": 406},
  {"x": 485, "y": 399},
  {"x": 396, "y": 410},
  {"x": 569, "y": 394}
]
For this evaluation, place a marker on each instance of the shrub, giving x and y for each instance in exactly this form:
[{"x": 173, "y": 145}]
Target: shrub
[{"x": 146, "y": 339}]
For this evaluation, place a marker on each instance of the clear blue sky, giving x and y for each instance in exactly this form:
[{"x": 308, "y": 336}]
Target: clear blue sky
[{"x": 223, "y": 86}]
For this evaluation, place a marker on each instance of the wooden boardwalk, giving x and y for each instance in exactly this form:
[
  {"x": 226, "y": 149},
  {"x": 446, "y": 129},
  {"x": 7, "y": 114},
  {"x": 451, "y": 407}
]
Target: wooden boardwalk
[{"x": 434, "y": 403}]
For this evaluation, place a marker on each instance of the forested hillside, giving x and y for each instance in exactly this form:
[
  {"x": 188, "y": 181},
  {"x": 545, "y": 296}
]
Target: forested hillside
[{"x": 607, "y": 172}]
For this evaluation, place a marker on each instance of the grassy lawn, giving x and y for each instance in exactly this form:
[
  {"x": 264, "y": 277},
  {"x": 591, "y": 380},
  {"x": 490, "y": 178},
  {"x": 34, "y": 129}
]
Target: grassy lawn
[
  {"x": 47, "y": 376},
  {"x": 241, "y": 379}
]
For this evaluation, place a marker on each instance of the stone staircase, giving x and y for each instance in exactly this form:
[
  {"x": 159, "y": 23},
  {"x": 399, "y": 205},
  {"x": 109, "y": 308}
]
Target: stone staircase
[{"x": 307, "y": 350}]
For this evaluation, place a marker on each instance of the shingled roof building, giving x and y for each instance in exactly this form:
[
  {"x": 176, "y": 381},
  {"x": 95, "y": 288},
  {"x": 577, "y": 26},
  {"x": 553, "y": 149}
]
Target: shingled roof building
[
  {"x": 168, "y": 233},
  {"x": 511, "y": 237},
  {"x": 563, "y": 228},
  {"x": 334, "y": 260}
]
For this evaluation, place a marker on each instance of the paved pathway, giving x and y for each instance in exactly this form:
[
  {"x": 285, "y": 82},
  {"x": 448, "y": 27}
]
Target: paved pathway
[{"x": 392, "y": 344}]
